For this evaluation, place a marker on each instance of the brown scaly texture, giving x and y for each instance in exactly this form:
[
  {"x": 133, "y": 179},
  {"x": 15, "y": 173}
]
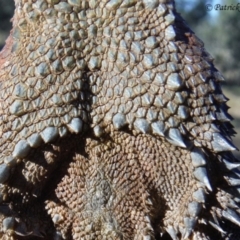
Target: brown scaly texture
[{"x": 113, "y": 125}]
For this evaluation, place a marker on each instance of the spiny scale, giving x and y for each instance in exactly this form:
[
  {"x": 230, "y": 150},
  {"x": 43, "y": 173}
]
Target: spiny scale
[{"x": 113, "y": 126}]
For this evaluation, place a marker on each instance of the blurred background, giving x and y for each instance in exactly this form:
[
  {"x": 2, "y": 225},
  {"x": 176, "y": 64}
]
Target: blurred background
[
  {"x": 6, "y": 13},
  {"x": 219, "y": 30}
]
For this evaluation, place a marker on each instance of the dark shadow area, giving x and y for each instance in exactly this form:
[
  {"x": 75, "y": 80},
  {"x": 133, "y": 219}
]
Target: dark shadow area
[{"x": 6, "y": 13}]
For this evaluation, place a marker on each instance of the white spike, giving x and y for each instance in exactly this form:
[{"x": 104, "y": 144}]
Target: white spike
[
  {"x": 56, "y": 218},
  {"x": 75, "y": 125},
  {"x": 189, "y": 226},
  {"x": 198, "y": 158},
  {"x": 221, "y": 144},
  {"x": 142, "y": 125},
  {"x": 158, "y": 128},
  {"x": 199, "y": 195},
  {"x": 194, "y": 208},
  {"x": 98, "y": 131},
  {"x": 231, "y": 166},
  {"x": 232, "y": 216},
  {"x": 21, "y": 149},
  {"x": 49, "y": 134},
  {"x": 233, "y": 181},
  {"x": 201, "y": 175},
  {"x": 217, "y": 227},
  {"x": 35, "y": 140},
  {"x": 119, "y": 121},
  {"x": 172, "y": 232},
  {"x": 174, "y": 136}
]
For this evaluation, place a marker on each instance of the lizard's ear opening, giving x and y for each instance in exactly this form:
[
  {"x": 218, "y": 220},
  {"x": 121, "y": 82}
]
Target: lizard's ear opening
[{"x": 6, "y": 13}]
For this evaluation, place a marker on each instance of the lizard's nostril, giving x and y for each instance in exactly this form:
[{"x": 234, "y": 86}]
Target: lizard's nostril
[{"x": 6, "y": 13}]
